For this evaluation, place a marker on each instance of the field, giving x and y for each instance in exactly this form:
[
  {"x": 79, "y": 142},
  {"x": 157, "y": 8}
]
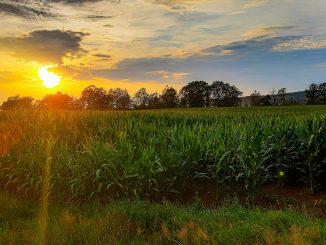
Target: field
[{"x": 103, "y": 164}]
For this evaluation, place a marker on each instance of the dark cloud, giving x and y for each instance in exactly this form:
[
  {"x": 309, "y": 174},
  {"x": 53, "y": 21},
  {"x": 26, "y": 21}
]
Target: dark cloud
[
  {"x": 41, "y": 8},
  {"x": 252, "y": 46},
  {"x": 25, "y": 10},
  {"x": 45, "y": 45},
  {"x": 80, "y": 1},
  {"x": 104, "y": 56},
  {"x": 279, "y": 28},
  {"x": 108, "y": 25},
  {"x": 98, "y": 17}
]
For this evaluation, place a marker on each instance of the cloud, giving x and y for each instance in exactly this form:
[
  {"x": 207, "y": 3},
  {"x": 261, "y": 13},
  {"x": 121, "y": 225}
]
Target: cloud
[
  {"x": 255, "y": 4},
  {"x": 98, "y": 17},
  {"x": 300, "y": 44},
  {"x": 266, "y": 31},
  {"x": 103, "y": 56},
  {"x": 166, "y": 75},
  {"x": 80, "y": 1},
  {"x": 174, "y": 2},
  {"x": 45, "y": 46},
  {"x": 259, "y": 45},
  {"x": 25, "y": 9},
  {"x": 42, "y": 8},
  {"x": 177, "y": 5},
  {"x": 231, "y": 58},
  {"x": 141, "y": 69}
]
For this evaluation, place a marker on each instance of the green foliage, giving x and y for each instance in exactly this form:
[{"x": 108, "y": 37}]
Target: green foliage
[{"x": 153, "y": 154}]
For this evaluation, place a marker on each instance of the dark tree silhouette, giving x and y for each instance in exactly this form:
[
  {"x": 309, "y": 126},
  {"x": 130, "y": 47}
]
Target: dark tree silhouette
[
  {"x": 141, "y": 99},
  {"x": 154, "y": 101},
  {"x": 195, "y": 94},
  {"x": 312, "y": 94},
  {"x": 254, "y": 98},
  {"x": 224, "y": 94},
  {"x": 169, "y": 97},
  {"x": 121, "y": 98},
  {"x": 273, "y": 96},
  {"x": 281, "y": 96},
  {"x": 18, "y": 103},
  {"x": 265, "y": 101},
  {"x": 322, "y": 92},
  {"x": 58, "y": 101},
  {"x": 96, "y": 98}
]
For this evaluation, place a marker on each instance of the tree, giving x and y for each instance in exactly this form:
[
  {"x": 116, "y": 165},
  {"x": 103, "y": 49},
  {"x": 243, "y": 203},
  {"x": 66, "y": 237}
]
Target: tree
[
  {"x": 58, "y": 101},
  {"x": 96, "y": 98},
  {"x": 154, "y": 101},
  {"x": 223, "y": 94},
  {"x": 195, "y": 94},
  {"x": 169, "y": 97},
  {"x": 312, "y": 94},
  {"x": 281, "y": 96},
  {"x": 265, "y": 101},
  {"x": 18, "y": 103},
  {"x": 121, "y": 98},
  {"x": 254, "y": 98},
  {"x": 273, "y": 96},
  {"x": 322, "y": 92},
  {"x": 140, "y": 99}
]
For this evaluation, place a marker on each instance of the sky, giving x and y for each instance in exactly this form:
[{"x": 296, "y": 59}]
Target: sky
[{"x": 253, "y": 44}]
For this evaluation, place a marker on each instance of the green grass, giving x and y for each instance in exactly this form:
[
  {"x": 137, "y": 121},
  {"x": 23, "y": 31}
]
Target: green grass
[{"x": 139, "y": 222}]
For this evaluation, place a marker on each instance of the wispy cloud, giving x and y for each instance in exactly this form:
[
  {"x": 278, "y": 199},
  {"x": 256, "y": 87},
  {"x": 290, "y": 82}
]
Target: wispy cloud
[
  {"x": 98, "y": 17},
  {"x": 255, "y": 4},
  {"x": 305, "y": 43},
  {"x": 267, "y": 31},
  {"x": 169, "y": 76}
]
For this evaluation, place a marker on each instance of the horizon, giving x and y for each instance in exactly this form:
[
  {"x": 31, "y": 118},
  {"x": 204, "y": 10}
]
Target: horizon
[
  {"x": 252, "y": 44},
  {"x": 132, "y": 94}
]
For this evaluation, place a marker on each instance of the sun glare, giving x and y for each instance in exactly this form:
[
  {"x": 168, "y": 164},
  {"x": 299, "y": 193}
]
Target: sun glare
[{"x": 50, "y": 80}]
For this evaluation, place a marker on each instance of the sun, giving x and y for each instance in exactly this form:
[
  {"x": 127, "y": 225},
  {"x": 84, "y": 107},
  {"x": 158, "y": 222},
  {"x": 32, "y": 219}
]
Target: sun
[{"x": 50, "y": 80}]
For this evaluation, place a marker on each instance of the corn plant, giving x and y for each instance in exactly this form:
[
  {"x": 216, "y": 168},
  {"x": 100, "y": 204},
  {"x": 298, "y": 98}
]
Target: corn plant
[{"x": 153, "y": 154}]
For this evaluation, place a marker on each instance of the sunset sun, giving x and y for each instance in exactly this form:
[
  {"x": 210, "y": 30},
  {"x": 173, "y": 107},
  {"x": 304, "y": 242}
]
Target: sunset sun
[{"x": 50, "y": 80}]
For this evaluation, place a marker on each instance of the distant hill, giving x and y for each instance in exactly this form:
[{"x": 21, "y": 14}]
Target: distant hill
[{"x": 298, "y": 97}]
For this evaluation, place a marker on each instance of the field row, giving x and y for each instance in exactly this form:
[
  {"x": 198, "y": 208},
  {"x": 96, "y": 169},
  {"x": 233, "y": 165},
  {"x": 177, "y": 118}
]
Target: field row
[{"x": 81, "y": 156}]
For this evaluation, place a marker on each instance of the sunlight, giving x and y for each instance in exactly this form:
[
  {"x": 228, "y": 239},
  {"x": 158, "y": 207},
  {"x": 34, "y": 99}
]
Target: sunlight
[{"x": 50, "y": 80}]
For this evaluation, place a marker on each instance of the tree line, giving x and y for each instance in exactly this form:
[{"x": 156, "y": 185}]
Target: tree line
[
  {"x": 272, "y": 99},
  {"x": 314, "y": 95},
  {"x": 194, "y": 94}
]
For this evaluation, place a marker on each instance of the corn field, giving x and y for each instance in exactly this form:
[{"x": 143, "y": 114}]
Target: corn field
[{"x": 90, "y": 155}]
